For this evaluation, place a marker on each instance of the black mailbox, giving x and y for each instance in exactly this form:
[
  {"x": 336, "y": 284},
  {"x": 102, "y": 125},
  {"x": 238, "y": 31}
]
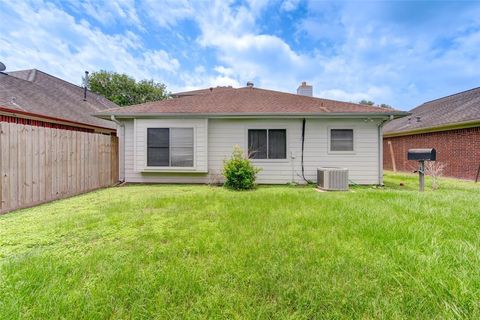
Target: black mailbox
[{"x": 422, "y": 154}]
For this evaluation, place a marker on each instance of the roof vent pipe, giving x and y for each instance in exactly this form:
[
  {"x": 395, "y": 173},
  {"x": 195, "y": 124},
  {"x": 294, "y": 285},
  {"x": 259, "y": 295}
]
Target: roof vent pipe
[
  {"x": 250, "y": 84},
  {"x": 85, "y": 85}
]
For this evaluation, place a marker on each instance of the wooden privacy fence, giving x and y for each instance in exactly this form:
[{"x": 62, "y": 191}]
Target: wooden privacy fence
[{"x": 40, "y": 164}]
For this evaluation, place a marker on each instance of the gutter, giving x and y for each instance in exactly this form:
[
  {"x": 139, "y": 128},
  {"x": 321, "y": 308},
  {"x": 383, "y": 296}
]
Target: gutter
[
  {"x": 380, "y": 148},
  {"x": 397, "y": 114},
  {"x": 445, "y": 127},
  {"x": 121, "y": 144},
  {"x": 112, "y": 117}
]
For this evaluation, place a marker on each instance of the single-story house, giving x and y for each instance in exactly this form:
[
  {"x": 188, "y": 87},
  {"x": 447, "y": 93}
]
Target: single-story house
[
  {"x": 187, "y": 138},
  {"x": 33, "y": 97},
  {"x": 450, "y": 124}
]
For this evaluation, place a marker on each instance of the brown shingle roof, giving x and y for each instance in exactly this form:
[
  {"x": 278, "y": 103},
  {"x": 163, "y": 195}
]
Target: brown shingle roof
[
  {"x": 200, "y": 91},
  {"x": 457, "y": 108},
  {"x": 243, "y": 101},
  {"x": 37, "y": 92}
]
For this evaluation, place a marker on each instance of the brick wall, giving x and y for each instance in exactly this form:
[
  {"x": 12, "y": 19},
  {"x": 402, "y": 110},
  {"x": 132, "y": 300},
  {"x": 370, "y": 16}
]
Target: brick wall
[
  {"x": 38, "y": 123},
  {"x": 458, "y": 149}
]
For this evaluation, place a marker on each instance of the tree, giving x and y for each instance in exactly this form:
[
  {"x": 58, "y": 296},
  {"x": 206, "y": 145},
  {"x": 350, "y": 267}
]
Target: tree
[
  {"x": 386, "y": 106},
  {"x": 124, "y": 90},
  {"x": 371, "y": 103},
  {"x": 367, "y": 102}
]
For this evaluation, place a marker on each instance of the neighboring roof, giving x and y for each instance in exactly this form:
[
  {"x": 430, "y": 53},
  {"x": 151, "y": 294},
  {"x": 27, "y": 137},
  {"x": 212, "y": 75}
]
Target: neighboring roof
[
  {"x": 37, "y": 92},
  {"x": 247, "y": 101},
  {"x": 200, "y": 91},
  {"x": 459, "y": 108}
]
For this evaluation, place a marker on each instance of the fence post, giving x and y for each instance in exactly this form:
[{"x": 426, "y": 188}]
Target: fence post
[{"x": 3, "y": 163}]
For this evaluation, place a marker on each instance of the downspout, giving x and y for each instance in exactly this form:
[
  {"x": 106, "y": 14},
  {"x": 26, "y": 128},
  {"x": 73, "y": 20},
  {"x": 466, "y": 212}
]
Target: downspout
[
  {"x": 303, "y": 148},
  {"x": 122, "y": 143},
  {"x": 380, "y": 148}
]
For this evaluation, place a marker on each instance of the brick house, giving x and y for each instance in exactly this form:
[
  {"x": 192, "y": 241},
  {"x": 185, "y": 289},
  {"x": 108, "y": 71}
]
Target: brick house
[{"x": 450, "y": 124}]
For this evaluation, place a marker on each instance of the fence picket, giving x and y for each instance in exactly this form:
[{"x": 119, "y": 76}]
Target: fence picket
[
  {"x": 39, "y": 164},
  {"x": 5, "y": 163}
]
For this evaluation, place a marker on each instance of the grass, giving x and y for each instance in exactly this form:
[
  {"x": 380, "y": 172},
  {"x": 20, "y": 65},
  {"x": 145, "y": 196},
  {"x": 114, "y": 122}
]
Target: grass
[{"x": 164, "y": 251}]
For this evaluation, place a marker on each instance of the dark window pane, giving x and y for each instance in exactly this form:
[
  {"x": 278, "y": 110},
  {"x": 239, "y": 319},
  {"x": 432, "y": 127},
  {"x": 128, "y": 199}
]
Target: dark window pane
[
  {"x": 158, "y": 157},
  {"x": 158, "y": 137},
  {"x": 277, "y": 144},
  {"x": 257, "y": 144},
  {"x": 341, "y": 140},
  {"x": 158, "y": 153}
]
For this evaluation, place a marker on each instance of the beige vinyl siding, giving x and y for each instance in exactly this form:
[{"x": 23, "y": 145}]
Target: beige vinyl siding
[
  {"x": 223, "y": 134},
  {"x": 362, "y": 163}
]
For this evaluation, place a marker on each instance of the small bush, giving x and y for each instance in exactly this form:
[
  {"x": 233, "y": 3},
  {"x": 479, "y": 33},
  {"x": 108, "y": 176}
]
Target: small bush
[
  {"x": 239, "y": 172},
  {"x": 435, "y": 170}
]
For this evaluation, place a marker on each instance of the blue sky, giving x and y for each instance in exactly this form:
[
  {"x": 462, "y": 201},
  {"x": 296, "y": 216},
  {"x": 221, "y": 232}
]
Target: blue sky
[{"x": 397, "y": 52}]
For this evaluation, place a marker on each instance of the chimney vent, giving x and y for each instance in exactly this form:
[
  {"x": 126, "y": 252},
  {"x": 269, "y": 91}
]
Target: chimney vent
[
  {"x": 305, "y": 90},
  {"x": 250, "y": 84},
  {"x": 85, "y": 85}
]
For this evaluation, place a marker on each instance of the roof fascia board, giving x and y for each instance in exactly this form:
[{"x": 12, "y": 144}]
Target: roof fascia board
[
  {"x": 450, "y": 126},
  {"x": 256, "y": 115}
]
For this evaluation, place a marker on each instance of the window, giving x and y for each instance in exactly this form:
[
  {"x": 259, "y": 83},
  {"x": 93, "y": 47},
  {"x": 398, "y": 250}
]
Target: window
[
  {"x": 267, "y": 143},
  {"x": 341, "y": 140},
  {"x": 170, "y": 147}
]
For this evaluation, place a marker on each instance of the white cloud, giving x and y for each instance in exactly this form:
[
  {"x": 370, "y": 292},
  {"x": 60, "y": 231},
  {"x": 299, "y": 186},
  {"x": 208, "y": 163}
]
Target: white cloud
[
  {"x": 289, "y": 5},
  {"x": 167, "y": 13},
  {"x": 202, "y": 79},
  {"x": 161, "y": 60},
  {"x": 46, "y": 37},
  {"x": 342, "y": 95},
  {"x": 108, "y": 12},
  {"x": 346, "y": 53}
]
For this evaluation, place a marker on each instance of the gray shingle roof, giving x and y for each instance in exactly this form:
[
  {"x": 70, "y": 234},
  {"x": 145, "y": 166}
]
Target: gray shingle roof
[
  {"x": 456, "y": 108},
  {"x": 37, "y": 92}
]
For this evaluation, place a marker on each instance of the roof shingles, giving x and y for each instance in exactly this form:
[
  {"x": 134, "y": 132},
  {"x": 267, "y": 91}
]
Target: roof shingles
[
  {"x": 246, "y": 101},
  {"x": 457, "y": 108},
  {"x": 37, "y": 92}
]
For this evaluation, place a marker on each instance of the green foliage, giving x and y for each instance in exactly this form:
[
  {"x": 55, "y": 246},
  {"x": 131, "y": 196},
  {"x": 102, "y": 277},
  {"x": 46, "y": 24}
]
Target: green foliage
[
  {"x": 371, "y": 103},
  {"x": 124, "y": 90},
  {"x": 202, "y": 252},
  {"x": 367, "y": 102},
  {"x": 386, "y": 106},
  {"x": 239, "y": 172}
]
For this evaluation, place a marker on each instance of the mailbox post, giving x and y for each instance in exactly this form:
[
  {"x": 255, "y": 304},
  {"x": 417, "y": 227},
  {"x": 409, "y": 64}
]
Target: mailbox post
[
  {"x": 421, "y": 175},
  {"x": 422, "y": 155}
]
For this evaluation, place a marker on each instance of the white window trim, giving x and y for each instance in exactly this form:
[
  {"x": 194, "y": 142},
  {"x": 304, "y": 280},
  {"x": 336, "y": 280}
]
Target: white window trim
[
  {"x": 340, "y": 127},
  {"x": 268, "y": 127},
  {"x": 148, "y": 168}
]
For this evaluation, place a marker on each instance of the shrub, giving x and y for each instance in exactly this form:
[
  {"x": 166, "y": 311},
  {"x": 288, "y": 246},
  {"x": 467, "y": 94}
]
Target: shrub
[
  {"x": 239, "y": 172},
  {"x": 435, "y": 170}
]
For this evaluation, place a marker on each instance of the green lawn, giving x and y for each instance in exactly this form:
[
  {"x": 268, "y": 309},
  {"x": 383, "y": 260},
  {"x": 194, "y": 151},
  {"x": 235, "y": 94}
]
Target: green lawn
[{"x": 163, "y": 251}]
